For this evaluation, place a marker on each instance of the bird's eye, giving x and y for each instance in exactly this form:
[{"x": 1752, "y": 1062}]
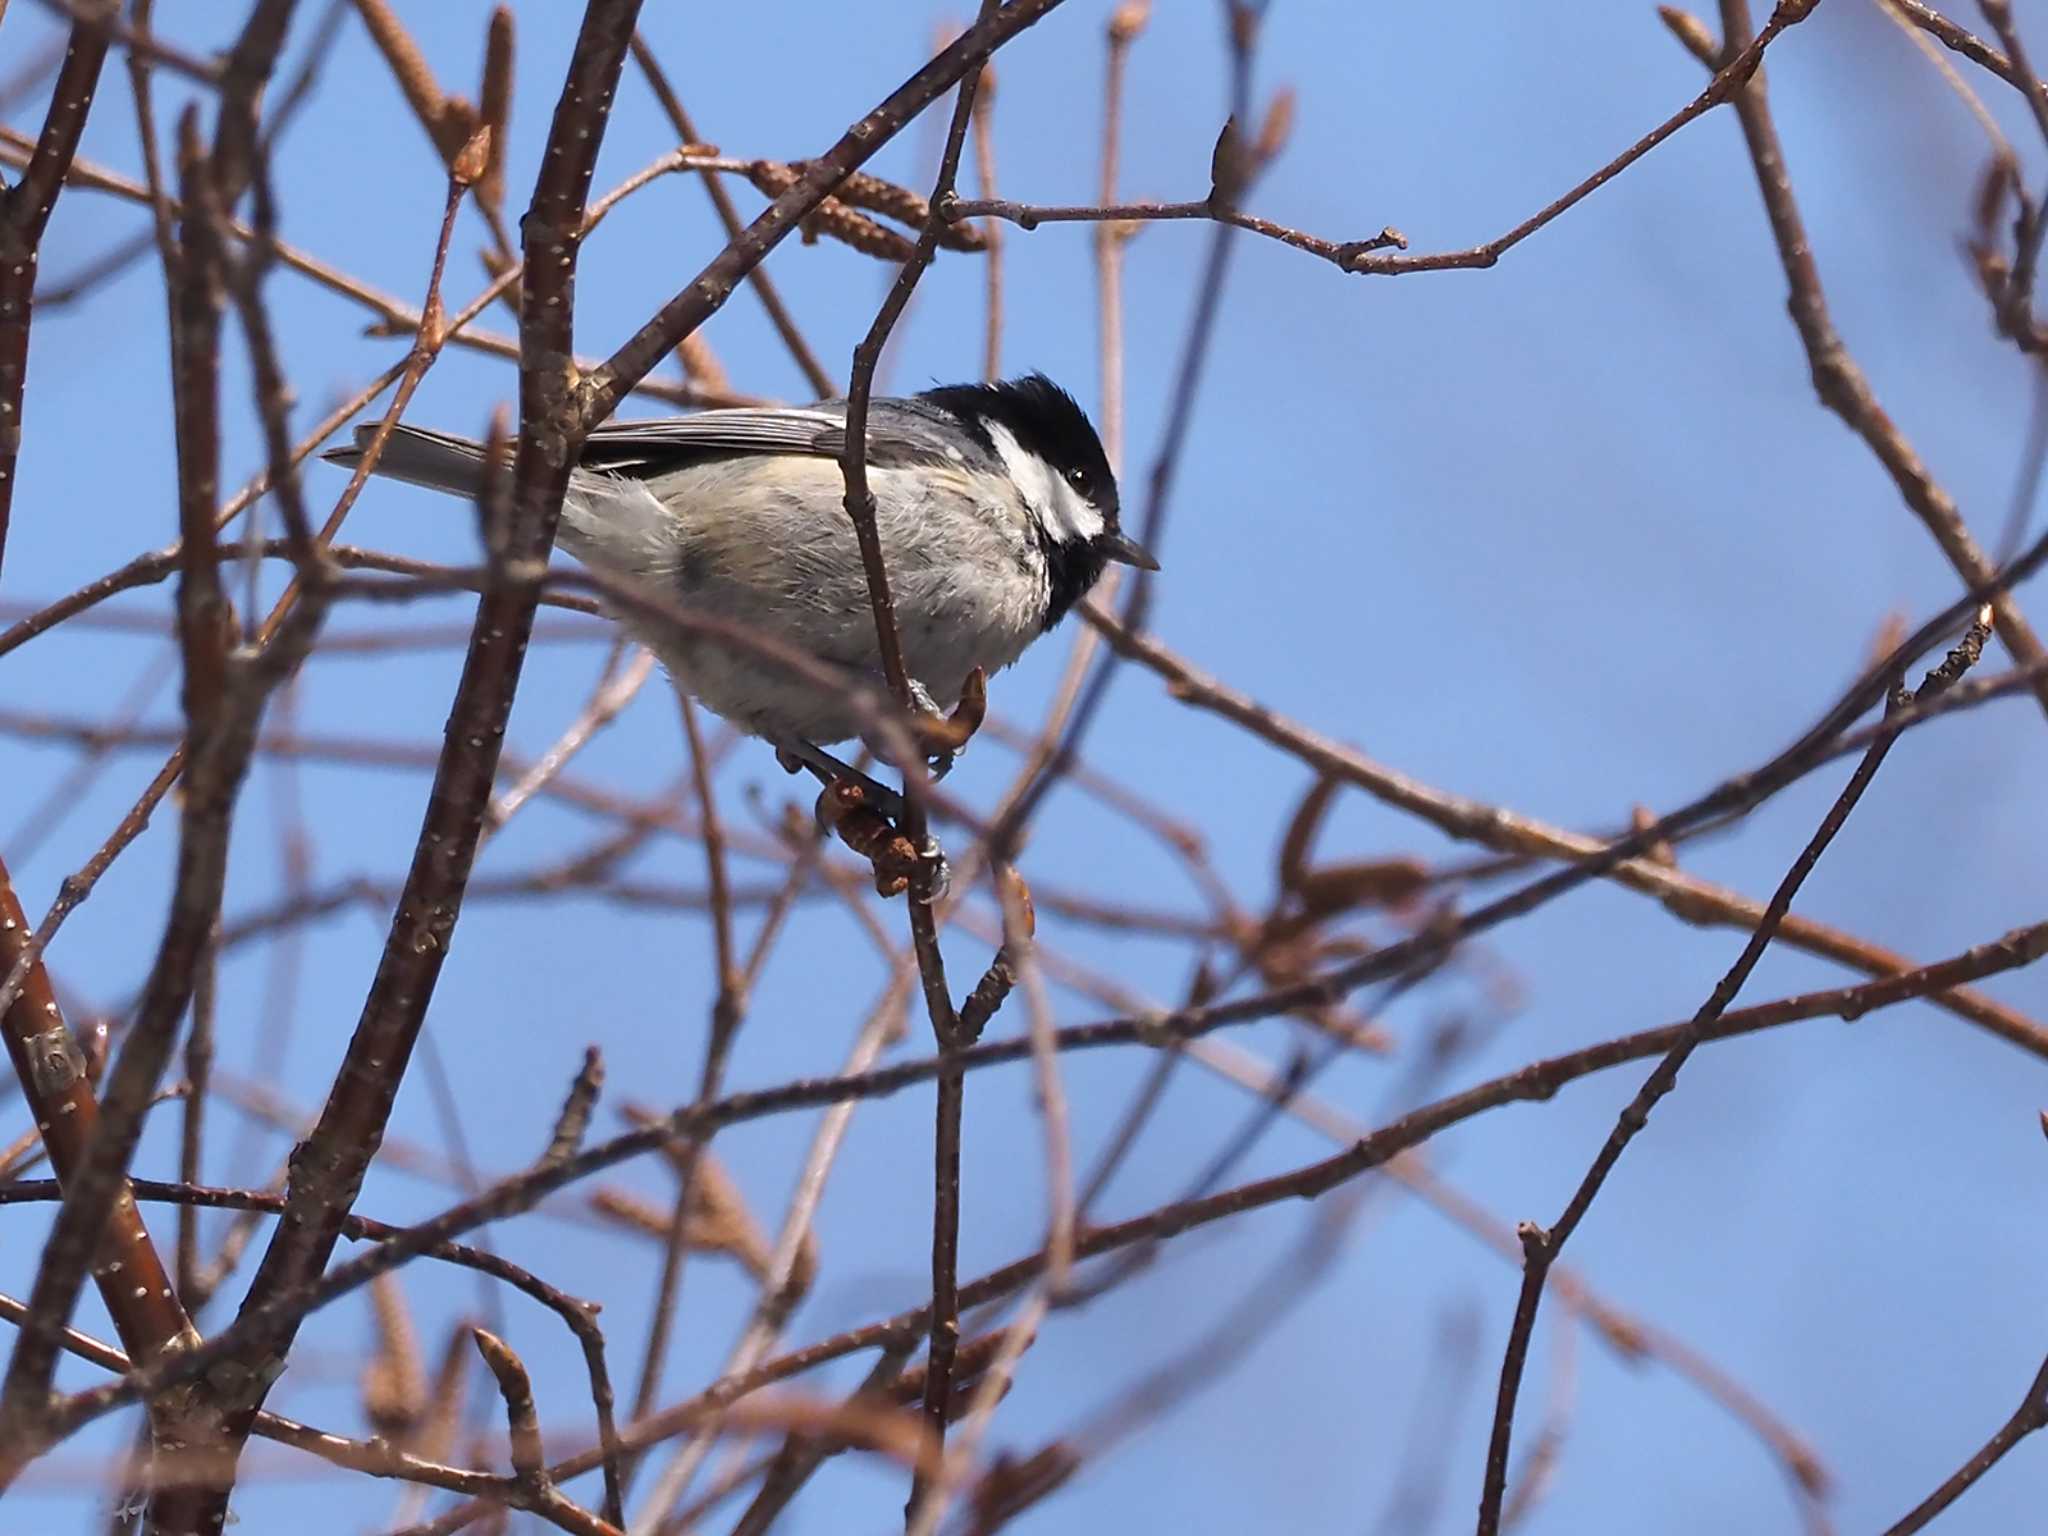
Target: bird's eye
[{"x": 1078, "y": 478}]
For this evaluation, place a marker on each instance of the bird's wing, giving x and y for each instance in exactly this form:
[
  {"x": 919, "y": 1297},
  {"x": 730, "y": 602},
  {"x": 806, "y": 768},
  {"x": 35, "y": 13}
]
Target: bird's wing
[{"x": 820, "y": 430}]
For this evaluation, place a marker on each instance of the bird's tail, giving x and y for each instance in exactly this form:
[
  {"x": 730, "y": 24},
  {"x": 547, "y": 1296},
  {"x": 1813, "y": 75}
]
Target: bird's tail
[
  {"x": 610, "y": 521},
  {"x": 436, "y": 460}
]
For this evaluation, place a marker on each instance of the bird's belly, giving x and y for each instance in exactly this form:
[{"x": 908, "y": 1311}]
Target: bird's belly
[
  {"x": 965, "y": 596},
  {"x": 760, "y": 697},
  {"x": 769, "y": 699}
]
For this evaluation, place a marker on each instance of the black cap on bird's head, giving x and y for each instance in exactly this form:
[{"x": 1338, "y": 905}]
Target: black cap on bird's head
[{"x": 1078, "y": 507}]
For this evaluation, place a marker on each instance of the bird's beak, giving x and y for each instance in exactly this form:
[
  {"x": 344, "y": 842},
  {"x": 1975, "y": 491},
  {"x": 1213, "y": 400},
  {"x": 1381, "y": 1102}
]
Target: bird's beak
[{"x": 1121, "y": 547}]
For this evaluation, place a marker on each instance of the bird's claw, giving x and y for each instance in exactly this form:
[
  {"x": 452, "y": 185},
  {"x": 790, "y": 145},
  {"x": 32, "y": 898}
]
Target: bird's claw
[
  {"x": 943, "y": 737},
  {"x": 941, "y": 878}
]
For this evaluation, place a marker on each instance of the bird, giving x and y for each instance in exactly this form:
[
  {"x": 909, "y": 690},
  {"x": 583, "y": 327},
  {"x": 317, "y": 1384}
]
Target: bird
[{"x": 995, "y": 505}]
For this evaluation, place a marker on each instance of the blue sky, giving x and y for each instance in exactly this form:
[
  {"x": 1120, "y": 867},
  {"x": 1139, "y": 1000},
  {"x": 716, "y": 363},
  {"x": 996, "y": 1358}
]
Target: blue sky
[{"x": 1569, "y": 535}]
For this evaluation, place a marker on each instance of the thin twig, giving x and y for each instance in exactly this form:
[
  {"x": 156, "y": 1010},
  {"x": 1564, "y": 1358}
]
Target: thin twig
[
  {"x": 1346, "y": 255},
  {"x": 604, "y": 387},
  {"x": 1688, "y": 897},
  {"x": 800, "y": 352},
  {"x": 51, "y": 1070},
  {"x": 1537, "y": 1081},
  {"x": 25, "y": 213},
  {"x": 1839, "y": 382},
  {"x": 728, "y": 1007},
  {"x": 860, "y": 507},
  {"x": 1541, "y": 1245},
  {"x": 991, "y": 231},
  {"x": 2031, "y": 1415},
  {"x": 330, "y": 1170}
]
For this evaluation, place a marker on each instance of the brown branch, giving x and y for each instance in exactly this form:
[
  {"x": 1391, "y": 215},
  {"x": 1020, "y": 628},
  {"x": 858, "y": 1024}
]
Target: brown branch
[
  {"x": 1961, "y": 40},
  {"x": 1125, "y": 23},
  {"x": 1346, "y": 255},
  {"x": 1538, "y": 1081},
  {"x": 1837, "y": 379},
  {"x": 602, "y": 390},
  {"x": 772, "y": 304},
  {"x": 1728, "y": 82},
  {"x": 244, "y": 74},
  {"x": 376, "y": 1459},
  {"x": 273, "y": 396},
  {"x": 576, "y": 1313},
  {"x": 834, "y": 218},
  {"x": 326, "y": 1177},
  {"x": 223, "y": 704},
  {"x": 1062, "y": 1218},
  {"x": 224, "y": 697},
  {"x": 529, "y": 1470},
  {"x": 1541, "y": 1245},
  {"x": 993, "y": 990},
  {"x": 205, "y": 624},
  {"x": 395, "y": 318},
  {"x": 1999, "y": 14},
  {"x": 313, "y": 60},
  {"x": 147, "y": 570},
  {"x": 130, "y": 1275},
  {"x": 141, "y": 44},
  {"x": 1231, "y": 182},
  {"x": 522, "y": 1420},
  {"x": 728, "y": 1007},
  {"x": 155, "y": 567},
  {"x": 448, "y": 120},
  {"x": 25, "y": 214},
  {"x": 572, "y": 1123},
  {"x": 96, "y": 1183},
  {"x": 991, "y": 231},
  {"x": 931, "y": 966},
  {"x": 793, "y": 1264},
  {"x": 1628, "y": 1336},
  {"x": 1687, "y": 897},
  {"x": 2031, "y": 1415},
  {"x": 199, "y": 1053}
]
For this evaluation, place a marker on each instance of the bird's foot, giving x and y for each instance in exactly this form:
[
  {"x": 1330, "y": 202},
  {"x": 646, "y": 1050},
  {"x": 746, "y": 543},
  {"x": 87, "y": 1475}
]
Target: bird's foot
[
  {"x": 868, "y": 818},
  {"x": 844, "y": 808},
  {"x": 829, "y": 770},
  {"x": 941, "y": 736}
]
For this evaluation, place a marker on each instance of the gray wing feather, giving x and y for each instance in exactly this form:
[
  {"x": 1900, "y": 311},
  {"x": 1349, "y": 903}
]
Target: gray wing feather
[
  {"x": 728, "y": 431},
  {"x": 900, "y": 433},
  {"x": 897, "y": 434}
]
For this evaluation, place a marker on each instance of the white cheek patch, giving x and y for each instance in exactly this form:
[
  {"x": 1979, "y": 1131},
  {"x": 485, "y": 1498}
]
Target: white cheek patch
[
  {"x": 1076, "y": 518},
  {"x": 1064, "y": 511}
]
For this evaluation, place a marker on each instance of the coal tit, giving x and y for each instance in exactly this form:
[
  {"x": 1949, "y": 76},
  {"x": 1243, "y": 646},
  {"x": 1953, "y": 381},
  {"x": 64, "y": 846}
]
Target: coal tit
[{"x": 996, "y": 507}]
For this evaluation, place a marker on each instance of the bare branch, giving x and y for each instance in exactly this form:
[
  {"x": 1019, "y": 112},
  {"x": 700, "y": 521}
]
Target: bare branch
[{"x": 24, "y": 215}]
